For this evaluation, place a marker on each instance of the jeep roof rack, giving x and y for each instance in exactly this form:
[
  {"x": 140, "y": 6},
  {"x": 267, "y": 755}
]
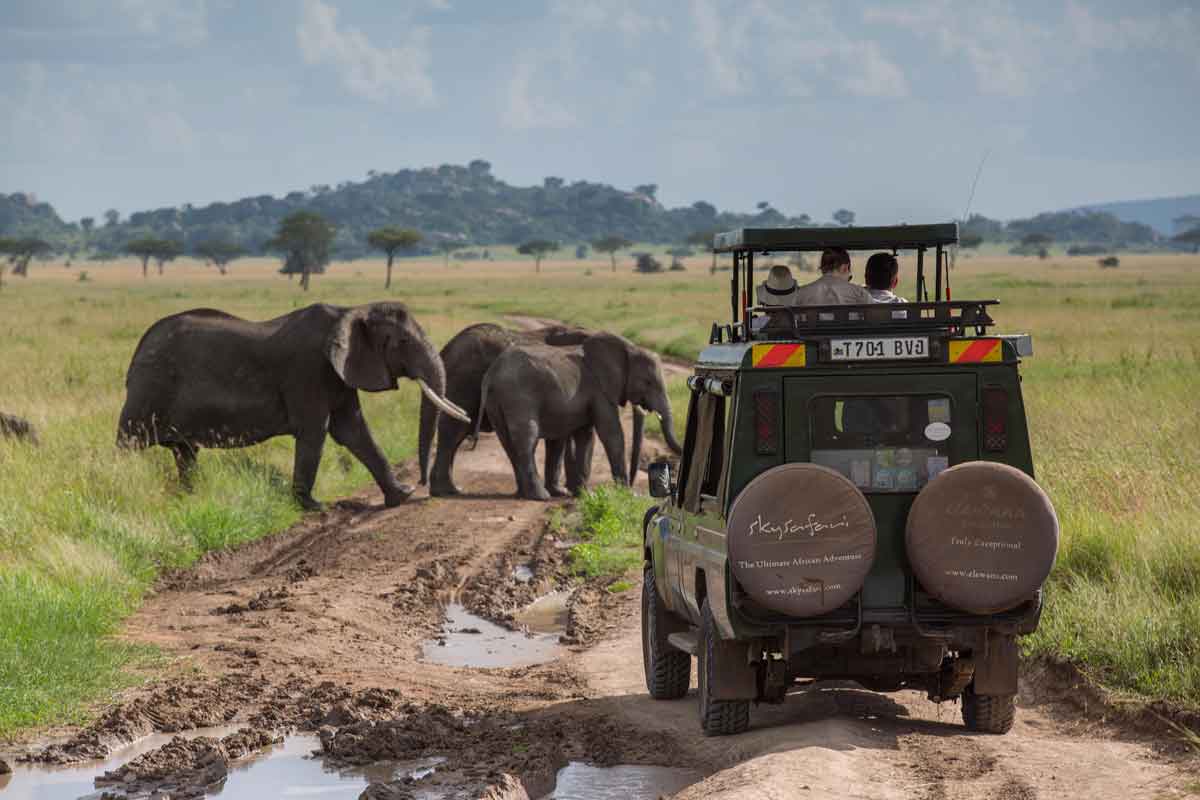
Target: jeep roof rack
[{"x": 744, "y": 243}]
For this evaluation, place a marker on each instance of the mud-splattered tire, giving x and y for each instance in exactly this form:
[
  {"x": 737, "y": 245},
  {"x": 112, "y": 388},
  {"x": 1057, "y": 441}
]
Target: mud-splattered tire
[
  {"x": 717, "y": 717},
  {"x": 988, "y": 713},
  {"x": 668, "y": 671}
]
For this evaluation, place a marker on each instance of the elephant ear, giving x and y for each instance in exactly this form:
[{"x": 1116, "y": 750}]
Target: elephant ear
[
  {"x": 355, "y": 357},
  {"x": 607, "y": 358}
]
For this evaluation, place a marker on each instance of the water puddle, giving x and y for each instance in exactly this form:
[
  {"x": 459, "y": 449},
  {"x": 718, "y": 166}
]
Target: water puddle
[
  {"x": 284, "y": 770},
  {"x": 547, "y": 614},
  {"x": 578, "y": 781},
  {"x": 471, "y": 641}
]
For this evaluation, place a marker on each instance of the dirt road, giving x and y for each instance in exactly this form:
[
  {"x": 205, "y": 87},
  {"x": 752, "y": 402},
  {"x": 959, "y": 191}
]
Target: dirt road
[{"x": 326, "y": 628}]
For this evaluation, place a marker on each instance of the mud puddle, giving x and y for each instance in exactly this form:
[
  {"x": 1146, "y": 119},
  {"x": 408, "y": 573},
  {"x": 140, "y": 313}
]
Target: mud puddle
[
  {"x": 468, "y": 640},
  {"x": 286, "y": 769},
  {"x": 548, "y": 614},
  {"x": 578, "y": 781}
]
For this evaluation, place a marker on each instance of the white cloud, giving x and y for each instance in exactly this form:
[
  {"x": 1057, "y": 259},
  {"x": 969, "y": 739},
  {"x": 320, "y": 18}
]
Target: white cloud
[
  {"x": 526, "y": 109},
  {"x": 720, "y": 45},
  {"x": 373, "y": 73},
  {"x": 790, "y": 49},
  {"x": 1002, "y": 47},
  {"x": 65, "y": 114},
  {"x": 1175, "y": 33}
]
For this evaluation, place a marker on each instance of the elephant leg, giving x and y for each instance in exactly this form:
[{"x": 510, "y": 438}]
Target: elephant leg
[
  {"x": 523, "y": 440},
  {"x": 309, "y": 444},
  {"x": 607, "y": 420},
  {"x": 349, "y": 429},
  {"x": 555, "y": 448},
  {"x": 185, "y": 462},
  {"x": 579, "y": 465},
  {"x": 451, "y": 434}
]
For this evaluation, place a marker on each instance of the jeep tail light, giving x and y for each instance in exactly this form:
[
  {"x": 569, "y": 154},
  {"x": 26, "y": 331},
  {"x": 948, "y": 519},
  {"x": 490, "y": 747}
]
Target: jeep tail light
[
  {"x": 766, "y": 422},
  {"x": 995, "y": 419}
]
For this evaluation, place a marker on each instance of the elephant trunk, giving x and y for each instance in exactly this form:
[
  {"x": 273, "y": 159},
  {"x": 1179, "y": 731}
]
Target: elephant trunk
[
  {"x": 635, "y": 445},
  {"x": 668, "y": 430},
  {"x": 429, "y": 416}
]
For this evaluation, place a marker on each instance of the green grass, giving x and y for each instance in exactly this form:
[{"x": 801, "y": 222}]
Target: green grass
[{"x": 610, "y": 527}]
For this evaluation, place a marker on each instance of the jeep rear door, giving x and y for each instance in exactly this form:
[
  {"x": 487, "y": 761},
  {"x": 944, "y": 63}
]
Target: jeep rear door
[{"x": 890, "y": 434}]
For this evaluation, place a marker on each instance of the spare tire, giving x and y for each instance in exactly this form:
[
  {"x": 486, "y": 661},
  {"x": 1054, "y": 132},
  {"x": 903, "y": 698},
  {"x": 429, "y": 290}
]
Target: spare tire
[
  {"x": 801, "y": 539},
  {"x": 982, "y": 537}
]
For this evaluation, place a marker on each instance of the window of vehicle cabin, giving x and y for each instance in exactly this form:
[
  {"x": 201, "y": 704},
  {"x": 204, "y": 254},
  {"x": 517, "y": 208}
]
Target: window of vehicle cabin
[
  {"x": 707, "y": 456},
  {"x": 884, "y": 444}
]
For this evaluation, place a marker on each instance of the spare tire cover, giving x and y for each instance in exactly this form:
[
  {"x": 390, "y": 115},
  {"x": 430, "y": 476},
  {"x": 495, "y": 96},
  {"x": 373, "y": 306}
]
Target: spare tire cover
[
  {"x": 982, "y": 537},
  {"x": 801, "y": 539}
]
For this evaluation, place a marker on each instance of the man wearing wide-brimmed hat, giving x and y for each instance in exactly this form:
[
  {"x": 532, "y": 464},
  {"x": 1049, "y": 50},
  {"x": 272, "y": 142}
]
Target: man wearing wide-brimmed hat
[{"x": 779, "y": 289}]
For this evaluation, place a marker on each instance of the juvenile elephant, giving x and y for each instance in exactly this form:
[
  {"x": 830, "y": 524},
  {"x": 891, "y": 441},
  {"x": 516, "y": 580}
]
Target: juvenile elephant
[
  {"x": 467, "y": 358},
  {"x": 536, "y": 392},
  {"x": 204, "y": 378}
]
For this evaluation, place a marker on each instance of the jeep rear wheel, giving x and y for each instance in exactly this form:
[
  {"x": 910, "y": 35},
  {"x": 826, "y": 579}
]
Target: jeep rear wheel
[
  {"x": 988, "y": 713},
  {"x": 717, "y": 717},
  {"x": 668, "y": 671}
]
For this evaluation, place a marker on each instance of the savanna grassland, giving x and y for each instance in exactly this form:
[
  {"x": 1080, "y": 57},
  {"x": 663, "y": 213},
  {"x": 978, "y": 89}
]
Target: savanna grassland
[{"x": 1112, "y": 395}]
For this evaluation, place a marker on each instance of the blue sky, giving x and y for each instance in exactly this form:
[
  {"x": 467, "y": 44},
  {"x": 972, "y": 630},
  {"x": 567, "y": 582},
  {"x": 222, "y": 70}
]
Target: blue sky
[{"x": 883, "y": 107}]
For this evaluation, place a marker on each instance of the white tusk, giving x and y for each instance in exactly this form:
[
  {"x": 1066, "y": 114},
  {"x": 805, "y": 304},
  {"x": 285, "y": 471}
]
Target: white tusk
[{"x": 444, "y": 404}]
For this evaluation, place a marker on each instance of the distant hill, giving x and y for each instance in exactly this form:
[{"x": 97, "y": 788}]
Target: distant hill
[
  {"x": 466, "y": 204},
  {"x": 1159, "y": 213}
]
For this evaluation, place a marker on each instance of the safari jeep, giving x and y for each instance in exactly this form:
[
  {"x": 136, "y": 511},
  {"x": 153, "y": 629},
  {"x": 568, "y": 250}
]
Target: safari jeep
[{"x": 855, "y": 499}]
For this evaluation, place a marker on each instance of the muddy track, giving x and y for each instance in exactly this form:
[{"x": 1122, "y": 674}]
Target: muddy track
[{"x": 322, "y": 629}]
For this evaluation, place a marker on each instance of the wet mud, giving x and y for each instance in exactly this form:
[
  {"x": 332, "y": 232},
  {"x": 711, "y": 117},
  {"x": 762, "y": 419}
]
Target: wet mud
[{"x": 321, "y": 635}]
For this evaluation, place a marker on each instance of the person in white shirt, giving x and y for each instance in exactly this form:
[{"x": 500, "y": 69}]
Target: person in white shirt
[
  {"x": 883, "y": 273},
  {"x": 833, "y": 287},
  {"x": 779, "y": 289}
]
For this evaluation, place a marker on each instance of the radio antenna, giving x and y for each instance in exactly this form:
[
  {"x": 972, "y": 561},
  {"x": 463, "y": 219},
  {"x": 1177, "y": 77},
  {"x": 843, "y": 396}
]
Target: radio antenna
[{"x": 975, "y": 183}]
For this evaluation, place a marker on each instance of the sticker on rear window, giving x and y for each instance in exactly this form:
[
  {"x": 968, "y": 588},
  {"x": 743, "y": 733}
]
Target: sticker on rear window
[
  {"x": 939, "y": 410},
  {"x": 937, "y": 431}
]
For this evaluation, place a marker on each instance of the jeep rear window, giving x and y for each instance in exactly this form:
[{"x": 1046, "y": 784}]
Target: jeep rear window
[{"x": 890, "y": 443}]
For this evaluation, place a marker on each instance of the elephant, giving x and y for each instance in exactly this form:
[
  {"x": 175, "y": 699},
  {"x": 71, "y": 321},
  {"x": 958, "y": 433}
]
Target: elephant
[
  {"x": 536, "y": 392},
  {"x": 467, "y": 357},
  {"x": 204, "y": 378}
]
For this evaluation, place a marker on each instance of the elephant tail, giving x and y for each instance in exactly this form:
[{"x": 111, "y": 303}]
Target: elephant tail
[
  {"x": 483, "y": 398},
  {"x": 429, "y": 418}
]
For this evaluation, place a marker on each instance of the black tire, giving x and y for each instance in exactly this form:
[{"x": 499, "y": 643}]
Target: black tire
[
  {"x": 668, "y": 671},
  {"x": 988, "y": 713},
  {"x": 717, "y": 717}
]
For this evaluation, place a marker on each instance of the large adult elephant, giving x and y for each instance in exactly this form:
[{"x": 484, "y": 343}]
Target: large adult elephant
[
  {"x": 535, "y": 392},
  {"x": 205, "y": 378},
  {"x": 467, "y": 357}
]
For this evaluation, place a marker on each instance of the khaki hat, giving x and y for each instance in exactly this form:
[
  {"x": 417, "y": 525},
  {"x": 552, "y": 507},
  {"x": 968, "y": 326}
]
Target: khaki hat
[{"x": 778, "y": 289}]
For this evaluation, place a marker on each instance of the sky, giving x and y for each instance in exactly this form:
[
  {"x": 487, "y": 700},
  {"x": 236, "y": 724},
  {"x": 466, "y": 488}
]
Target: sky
[{"x": 886, "y": 108}]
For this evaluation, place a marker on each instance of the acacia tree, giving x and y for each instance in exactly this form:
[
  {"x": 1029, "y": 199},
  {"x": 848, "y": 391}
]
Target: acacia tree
[
  {"x": 168, "y": 251},
  {"x": 611, "y": 244},
  {"x": 219, "y": 252},
  {"x": 21, "y": 251},
  {"x": 844, "y": 216},
  {"x": 149, "y": 247},
  {"x": 304, "y": 239},
  {"x": 539, "y": 249},
  {"x": 392, "y": 240}
]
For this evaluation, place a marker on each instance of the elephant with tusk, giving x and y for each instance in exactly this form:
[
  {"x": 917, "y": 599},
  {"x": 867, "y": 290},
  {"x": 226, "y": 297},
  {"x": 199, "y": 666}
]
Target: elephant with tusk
[{"x": 204, "y": 378}]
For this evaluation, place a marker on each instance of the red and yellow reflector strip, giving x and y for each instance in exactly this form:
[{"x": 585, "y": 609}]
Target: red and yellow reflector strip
[
  {"x": 777, "y": 355},
  {"x": 976, "y": 351}
]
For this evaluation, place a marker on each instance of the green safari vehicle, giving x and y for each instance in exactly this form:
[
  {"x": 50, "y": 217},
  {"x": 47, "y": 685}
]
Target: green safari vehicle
[{"x": 855, "y": 498}]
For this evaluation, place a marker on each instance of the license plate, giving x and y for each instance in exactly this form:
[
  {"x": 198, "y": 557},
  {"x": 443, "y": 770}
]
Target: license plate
[{"x": 886, "y": 348}]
